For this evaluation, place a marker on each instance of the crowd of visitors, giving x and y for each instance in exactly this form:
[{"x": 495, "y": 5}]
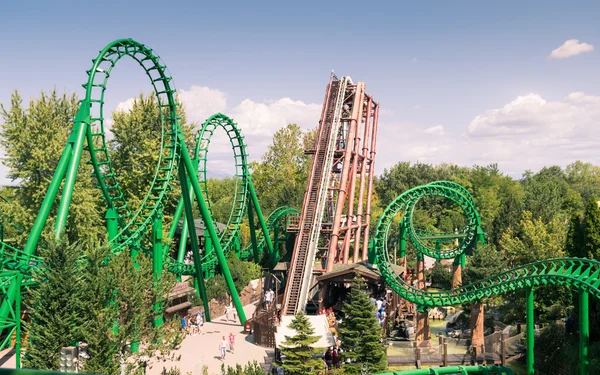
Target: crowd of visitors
[{"x": 192, "y": 325}]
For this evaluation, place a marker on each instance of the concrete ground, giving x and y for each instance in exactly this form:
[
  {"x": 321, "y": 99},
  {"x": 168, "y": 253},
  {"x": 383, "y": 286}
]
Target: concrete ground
[{"x": 199, "y": 350}]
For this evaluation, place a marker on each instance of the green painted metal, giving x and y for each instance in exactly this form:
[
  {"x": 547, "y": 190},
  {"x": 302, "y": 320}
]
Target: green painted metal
[
  {"x": 127, "y": 228},
  {"x": 481, "y": 370},
  {"x": 277, "y": 219},
  {"x": 428, "y": 242},
  {"x": 578, "y": 273},
  {"x": 243, "y": 193},
  {"x": 530, "y": 331},
  {"x": 157, "y": 264},
  {"x": 584, "y": 333},
  {"x": 199, "y": 276}
]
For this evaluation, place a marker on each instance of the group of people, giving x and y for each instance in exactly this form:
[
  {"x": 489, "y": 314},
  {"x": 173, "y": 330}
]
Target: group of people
[
  {"x": 332, "y": 358},
  {"x": 225, "y": 342},
  {"x": 381, "y": 304},
  {"x": 192, "y": 325},
  {"x": 230, "y": 313}
]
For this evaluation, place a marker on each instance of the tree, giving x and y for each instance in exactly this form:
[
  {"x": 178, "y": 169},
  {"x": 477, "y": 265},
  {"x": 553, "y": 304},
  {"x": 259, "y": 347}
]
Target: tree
[
  {"x": 591, "y": 229},
  {"x": 361, "y": 333},
  {"x": 122, "y": 293},
  {"x": 298, "y": 351},
  {"x": 134, "y": 149},
  {"x": 440, "y": 276},
  {"x": 547, "y": 193},
  {"x": 33, "y": 139},
  {"x": 280, "y": 178},
  {"x": 534, "y": 240},
  {"x": 56, "y": 306},
  {"x": 575, "y": 245}
]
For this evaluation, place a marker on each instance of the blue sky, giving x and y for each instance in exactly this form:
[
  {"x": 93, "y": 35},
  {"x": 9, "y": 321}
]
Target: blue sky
[{"x": 466, "y": 82}]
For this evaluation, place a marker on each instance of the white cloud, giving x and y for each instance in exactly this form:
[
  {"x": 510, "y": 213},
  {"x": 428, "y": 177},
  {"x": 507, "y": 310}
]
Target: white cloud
[
  {"x": 125, "y": 106},
  {"x": 417, "y": 107},
  {"x": 435, "y": 130},
  {"x": 571, "y": 47},
  {"x": 202, "y": 102},
  {"x": 414, "y": 60},
  {"x": 529, "y": 132},
  {"x": 258, "y": 120}
]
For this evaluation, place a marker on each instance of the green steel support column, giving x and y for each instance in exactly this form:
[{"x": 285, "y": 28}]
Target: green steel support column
[
  {"x": 402, "y": 238},
  {"x": 276, "y": 242},
  {"x": 262, "y": 222},
  {"x": 39, "y": 223},
  {"x": 253, "y": 232},
  {"x": 176, "y": 217},
  {"x": 112, "y": 223},
  {"x": 157, "y": 264},
  {"x": 189, "y": 215},
  {"x": 18, "y": 321},
  {"x": 584, "y": 333},
  {"x": 208, "y": 247},
  {"x": 42, "y": 216},
  {"x": 530, "y": 331},
  {"x": 210, "y": 225},
  {"x": 463, "y": 260},
  {"x": 237, "y": 246},
  {"x": 183, "y": 240},
  {"x": 77, "y": 137},
  {"x": 112, "y": 227}
]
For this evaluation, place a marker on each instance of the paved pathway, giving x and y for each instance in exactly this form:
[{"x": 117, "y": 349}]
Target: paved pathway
[{"x": 200, "y": 350}]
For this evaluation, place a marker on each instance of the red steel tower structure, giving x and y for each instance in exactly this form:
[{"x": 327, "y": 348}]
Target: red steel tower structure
[{"x": 336, "y": 211}]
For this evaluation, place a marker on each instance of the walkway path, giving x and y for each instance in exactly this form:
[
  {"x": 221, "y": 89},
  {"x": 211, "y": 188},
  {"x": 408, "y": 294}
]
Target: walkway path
[{"x": 199, "y": 350}]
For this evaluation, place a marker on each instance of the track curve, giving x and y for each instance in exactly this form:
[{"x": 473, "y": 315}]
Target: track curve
[
  {"x": 228, "y": 235},
  {"x": 406, "y": 203},
  {"x": 133, "y": 226},
  {"x": 582, "y": 274}
]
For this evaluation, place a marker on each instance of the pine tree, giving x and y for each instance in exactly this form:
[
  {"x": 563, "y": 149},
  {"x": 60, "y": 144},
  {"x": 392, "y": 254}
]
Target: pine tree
[
  {"x": 123, "y": 291},
  {"x": 56, "y": 305},
  {"x": 361, "y": 334},
  {"x": 297, "y": 349},
  {"x": 591, "y": 229}
]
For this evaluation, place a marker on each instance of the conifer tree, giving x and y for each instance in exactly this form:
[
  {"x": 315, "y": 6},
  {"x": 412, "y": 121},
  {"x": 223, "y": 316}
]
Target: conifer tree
[
  {"x": 297, "y": 349},
  {"x": 361, "y": 334},
  {"x": 591, "y": 229},
  {"x": 55, "y": 308}
]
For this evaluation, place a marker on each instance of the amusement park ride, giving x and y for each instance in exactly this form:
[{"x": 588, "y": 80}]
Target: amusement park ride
[{"x": 333, "y": 224}]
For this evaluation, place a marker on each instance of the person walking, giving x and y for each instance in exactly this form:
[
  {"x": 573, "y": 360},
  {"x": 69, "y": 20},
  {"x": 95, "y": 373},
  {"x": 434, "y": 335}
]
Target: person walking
[
  {"x": 231, "y": 342},
  {"x": 228, "y": 312},
  {"x": 223, "y": 347},
  {"x": 200, "y": 321}
]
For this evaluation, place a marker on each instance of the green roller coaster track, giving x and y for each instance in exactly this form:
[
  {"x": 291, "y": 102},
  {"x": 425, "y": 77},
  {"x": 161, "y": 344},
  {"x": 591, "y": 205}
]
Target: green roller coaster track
[
  {"x": 141, "y": 229},
  {"x": 581, "y": 274}
]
